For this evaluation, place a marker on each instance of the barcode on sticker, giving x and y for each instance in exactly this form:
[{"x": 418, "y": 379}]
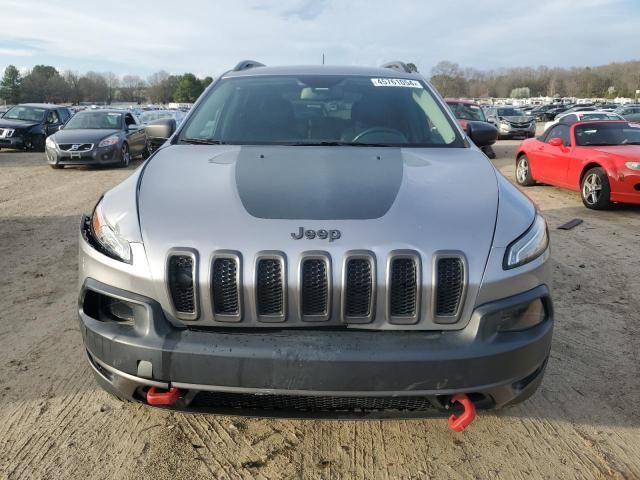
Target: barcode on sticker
[{"x": 395, "y": 82}]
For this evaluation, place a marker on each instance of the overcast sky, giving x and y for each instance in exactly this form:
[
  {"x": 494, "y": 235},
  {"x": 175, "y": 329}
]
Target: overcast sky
[{"x": 208, "y": 36}]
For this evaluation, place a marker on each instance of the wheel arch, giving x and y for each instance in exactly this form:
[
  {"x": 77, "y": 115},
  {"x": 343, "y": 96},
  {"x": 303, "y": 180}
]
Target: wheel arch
[{"x": 588, "y": 166}]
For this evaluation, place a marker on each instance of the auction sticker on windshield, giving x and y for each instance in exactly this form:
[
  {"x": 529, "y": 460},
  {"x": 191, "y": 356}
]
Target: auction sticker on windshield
[{"x": 395, "y": 82}]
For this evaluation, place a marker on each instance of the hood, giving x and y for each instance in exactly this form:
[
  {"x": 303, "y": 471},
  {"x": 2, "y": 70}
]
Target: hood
[
  {"x": 16, "y": 124},
  {"x": 517, "y": 118},
  {"x": 251, "y": 199},
  {"x": 626, "y": 152},
  {"x": 82, "y": 135}
]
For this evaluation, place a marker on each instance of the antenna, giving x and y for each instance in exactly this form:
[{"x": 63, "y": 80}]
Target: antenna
[{"x": 323, "y": 58}]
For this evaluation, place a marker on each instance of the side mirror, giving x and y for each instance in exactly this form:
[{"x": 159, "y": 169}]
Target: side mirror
[
  {"x": 556, "y": 142},
  {"x": 482, "y": 134},
  {"x": 160, "y": 129}
]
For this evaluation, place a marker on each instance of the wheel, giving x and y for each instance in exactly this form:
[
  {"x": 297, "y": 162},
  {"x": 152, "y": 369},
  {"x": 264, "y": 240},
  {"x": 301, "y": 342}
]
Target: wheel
[
  {"x": 56, "y": 167},
  {"x": 147, "y": 150},
  {"x": 36, "y": 144},
  {"x": 523, "y": 172},
  {"x": 595, "y": 189},
  {"x": 125, "y": 156}
]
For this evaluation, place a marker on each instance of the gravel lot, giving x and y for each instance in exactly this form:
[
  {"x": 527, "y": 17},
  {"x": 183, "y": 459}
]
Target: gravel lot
[{"x": 55, "y": 423}]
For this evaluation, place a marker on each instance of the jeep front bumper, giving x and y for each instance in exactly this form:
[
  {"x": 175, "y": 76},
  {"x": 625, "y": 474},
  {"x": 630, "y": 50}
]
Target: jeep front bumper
[{"x": 496, "y": 369}]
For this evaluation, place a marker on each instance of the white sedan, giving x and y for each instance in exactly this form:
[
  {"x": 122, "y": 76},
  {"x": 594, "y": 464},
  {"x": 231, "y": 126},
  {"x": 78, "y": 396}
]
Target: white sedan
[{"x": 574, "y": 117}]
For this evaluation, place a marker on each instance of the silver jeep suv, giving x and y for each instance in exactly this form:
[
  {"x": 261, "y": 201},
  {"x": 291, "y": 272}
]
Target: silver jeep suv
[{"x": 317, "y": 241}]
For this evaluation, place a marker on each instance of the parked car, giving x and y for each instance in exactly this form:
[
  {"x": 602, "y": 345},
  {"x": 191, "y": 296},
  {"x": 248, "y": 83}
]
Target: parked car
[
  {"x": 153, "y": 115},
  {"x": 466, "y": 111},
  {"x": 98, "y": 137},
  {"x": 600, "y": 159},
  {"x": 364, "y": 260},
  {"x": 551, "y": 113},
  {"x": 569, "y": 118},
  {"x": 511, "y": 122},
  {"x": 629, "y": 112},
  {"x": 582, "y": 107},
  {"x": 26, "y": 126}
]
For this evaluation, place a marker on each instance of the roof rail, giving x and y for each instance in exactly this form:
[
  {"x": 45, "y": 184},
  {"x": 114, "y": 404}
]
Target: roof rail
[
  {"x": 398, "y": 66},
  {"x": 245, "y": 64}
]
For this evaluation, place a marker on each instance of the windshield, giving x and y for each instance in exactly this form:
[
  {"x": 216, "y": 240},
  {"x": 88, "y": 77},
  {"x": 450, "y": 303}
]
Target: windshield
[
  {"x": 33, "y": 114},
  {"x": 510, "y": 112},
  {"x": 466, "y": 111},
  {"x": 321, "y": 110},
  {"x": 154, "y": 115},
  {"x": 600, "y": 134},
  {"x": 94, "y": 121}
]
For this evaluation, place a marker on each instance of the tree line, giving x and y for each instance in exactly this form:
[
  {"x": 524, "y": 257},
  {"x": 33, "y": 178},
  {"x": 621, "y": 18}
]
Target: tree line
[
  {"x": 45, "y": 83},
  {"x": 605, "y": 81}
]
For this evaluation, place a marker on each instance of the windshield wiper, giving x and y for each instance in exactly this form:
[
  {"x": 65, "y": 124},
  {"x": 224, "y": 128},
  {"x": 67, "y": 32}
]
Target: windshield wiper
[{"x": 201, "y": 141}]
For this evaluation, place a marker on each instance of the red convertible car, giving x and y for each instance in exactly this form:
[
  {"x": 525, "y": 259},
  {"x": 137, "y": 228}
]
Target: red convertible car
[{"x": 601, "y": 160}]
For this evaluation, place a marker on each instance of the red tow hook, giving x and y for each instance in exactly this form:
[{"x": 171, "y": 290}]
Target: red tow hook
[
  {"x": 158, "y": 396},
  {"x": 459, "y": 423}
]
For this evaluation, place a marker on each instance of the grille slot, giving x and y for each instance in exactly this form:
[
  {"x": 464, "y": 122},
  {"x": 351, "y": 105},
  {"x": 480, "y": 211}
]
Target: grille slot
[
  {"x": 403, "y": 284},
  {"x": 449, "y": 286},
  {"x": 181, "y": 274},
  {"x": 309, "y": 403},
  {"x": 359, "y": 276},
  {"x": 315, "y": 288},
  {"x": 225, "y": 284},
  {"x": 270, "y": 292}
]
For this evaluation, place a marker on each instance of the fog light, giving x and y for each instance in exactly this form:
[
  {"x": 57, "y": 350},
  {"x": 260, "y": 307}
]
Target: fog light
[
  {"x": 517, "y": 318},
  {"x": 120, "y": 310}
]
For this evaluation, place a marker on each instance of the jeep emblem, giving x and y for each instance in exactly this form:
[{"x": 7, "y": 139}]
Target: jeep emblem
[{"x": 321, "y": 234}]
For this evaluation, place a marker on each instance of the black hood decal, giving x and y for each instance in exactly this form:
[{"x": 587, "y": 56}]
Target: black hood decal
[{"x": 318, "y": 183}]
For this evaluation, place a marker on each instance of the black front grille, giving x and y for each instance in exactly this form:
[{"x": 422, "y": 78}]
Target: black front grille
[
  {"x": 81, "y": 147},
  {"x": 181, "y": 283},
  {"x": 403, "y": 288},
  {"x": 308, "y": 403},
  {"x": 225, "y": 286},
  {"x": 315, "y": 287},
  {"x": 449, "y": 286},
  {"x": 359, "y": 288},
  {"x": 270, "y": 288}
]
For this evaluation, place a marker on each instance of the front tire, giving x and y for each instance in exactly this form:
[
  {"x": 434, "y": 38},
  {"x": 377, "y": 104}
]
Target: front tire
[
  {"x": 125, "y": 156},
  {"x": 523, "y": 172},
  {"x": 595, "y": 189}
]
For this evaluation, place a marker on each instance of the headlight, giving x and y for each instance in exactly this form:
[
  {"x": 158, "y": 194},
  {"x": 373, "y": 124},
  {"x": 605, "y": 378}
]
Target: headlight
[
  {"x": 107, "y": 142},
  {"x": 529, "y": 246},
  {"x": 50, "y": 143},
  {"x": 633, "y": 165},
  {"x": 108, "y": 238},
  {"x": 8, "y": 132}
]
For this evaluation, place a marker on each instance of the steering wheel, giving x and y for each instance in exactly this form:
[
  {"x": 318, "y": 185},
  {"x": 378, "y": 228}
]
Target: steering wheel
[{"x": 377, "y": 130}]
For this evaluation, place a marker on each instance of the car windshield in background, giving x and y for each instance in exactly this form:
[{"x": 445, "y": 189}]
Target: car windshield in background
[
  {"x": 510, "y": 112},
  {"x": 152, "y": 116},
  {"x": 465, "y": 111},
  {"x": 321, "y": 110},
  {"x": 32, "y": 114},
  {"x": 601, "y": 134},
  {"x": 94, "y": 121}
]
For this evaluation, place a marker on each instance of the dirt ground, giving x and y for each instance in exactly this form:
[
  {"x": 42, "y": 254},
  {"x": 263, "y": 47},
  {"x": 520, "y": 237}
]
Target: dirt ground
[{"x": 55, "y": 423}]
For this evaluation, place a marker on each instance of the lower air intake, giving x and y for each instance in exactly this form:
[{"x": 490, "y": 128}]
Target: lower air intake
[{"x": 302, "y": 403}]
